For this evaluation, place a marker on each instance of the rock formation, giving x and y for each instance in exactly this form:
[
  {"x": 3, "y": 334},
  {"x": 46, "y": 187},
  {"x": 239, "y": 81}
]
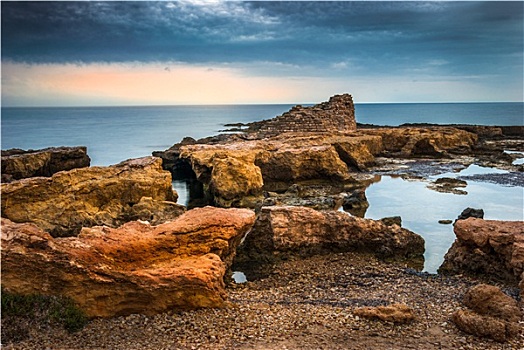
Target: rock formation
[
  {"x": 491, "y": 313},
  {"x": 136, "y": 268},
  {"x": 319, "y": 143},
  {"x": 488, "y": 247},
  {"x": 69, "y": 200},
  {"x": 236, "y": 173},
  {"x": 19, "y": 164},
  {"x": 397, "y": 313},
  {"x": 335, "y": 115},
  {"x": 433, "y": 142},
  {"x": 279, "y": 231}
]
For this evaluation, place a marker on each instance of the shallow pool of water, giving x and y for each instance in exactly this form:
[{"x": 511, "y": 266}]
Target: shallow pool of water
[{"x": 421, "y": 208}]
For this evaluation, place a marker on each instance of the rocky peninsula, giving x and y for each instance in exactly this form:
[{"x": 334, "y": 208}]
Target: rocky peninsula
[{"x": 150, "y": 273}]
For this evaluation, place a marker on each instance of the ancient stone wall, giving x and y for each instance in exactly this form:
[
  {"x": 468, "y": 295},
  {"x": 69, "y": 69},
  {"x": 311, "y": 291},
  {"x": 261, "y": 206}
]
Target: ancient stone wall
[{"x": 338, "y": 114}]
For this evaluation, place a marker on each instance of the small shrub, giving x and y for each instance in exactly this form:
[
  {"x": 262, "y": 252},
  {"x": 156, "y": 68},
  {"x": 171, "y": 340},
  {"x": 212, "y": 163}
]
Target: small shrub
[{"x": 23, "y": 312}]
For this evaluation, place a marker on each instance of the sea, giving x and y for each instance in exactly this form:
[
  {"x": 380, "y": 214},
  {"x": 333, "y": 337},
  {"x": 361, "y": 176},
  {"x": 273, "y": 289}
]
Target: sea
[{"x": 114, "y": 134}]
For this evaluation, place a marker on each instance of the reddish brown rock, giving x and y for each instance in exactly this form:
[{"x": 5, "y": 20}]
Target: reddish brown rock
[
  {"x": 282, "y": 230},
  {"x": 492, "y": 313},
  {"x": 484, "y": 326},
  {"x": 491, "y": 301},
  {"x": 487, "y": 247},
  {"x": 397, "y": 313},
  {"x": 137, "y": 268},
  {"x": 69, "y": 200},
  {"x": 19, "y": 164}
]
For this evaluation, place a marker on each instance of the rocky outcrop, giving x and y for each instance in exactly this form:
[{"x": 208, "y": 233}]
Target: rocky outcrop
[
  {"x": 491, "y": 313},
  {"x": 20, "y": 164},
  {"x": 491, "y": 248},
  {"x": 397, "y": 313},
  {"x": 280, "y": 231},
  {"x": 69, "y": 200},
  {"x": 236, "y": 173},
  {"x": 335, "y": 115},
  {"x": 436, "y": 142},
  {"x": 136, "y": 268},
  {"x": 319, "y": 143}
]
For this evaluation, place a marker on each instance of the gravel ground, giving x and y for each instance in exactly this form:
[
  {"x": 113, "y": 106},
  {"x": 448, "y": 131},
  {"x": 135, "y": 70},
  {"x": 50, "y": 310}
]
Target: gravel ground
[{"x": 304, "y": 304}]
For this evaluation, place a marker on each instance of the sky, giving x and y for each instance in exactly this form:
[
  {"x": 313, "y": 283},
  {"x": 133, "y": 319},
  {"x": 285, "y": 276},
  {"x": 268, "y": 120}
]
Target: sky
[{"x": 236, "y": 52}]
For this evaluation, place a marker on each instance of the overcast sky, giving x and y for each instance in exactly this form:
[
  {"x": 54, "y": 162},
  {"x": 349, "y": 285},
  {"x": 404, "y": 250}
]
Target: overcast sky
[{"x": 207, "y": 52}]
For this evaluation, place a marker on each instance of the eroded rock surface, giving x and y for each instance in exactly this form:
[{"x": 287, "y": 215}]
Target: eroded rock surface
[
  {"x": 487, "y": 247},
  {"x": 19, "y": 164},
  {"x": 279, "y": 231},
  {"x": 136, "y": 268},
  {"x": 491, "y": 313},
  {"x": 69, "y": 200},
  {"x": 397, "y": 313}
]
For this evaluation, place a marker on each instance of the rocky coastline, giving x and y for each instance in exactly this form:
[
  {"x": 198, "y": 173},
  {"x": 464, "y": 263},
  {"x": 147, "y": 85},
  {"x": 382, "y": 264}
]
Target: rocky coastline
[{"x": 283, "y": 201}]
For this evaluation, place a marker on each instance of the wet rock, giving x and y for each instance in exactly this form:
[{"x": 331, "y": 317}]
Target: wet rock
[
  {"x": 445, "y": 222},
  {"x": 136, "y": 268},
  {"x": 448, "y": 185},
  {"x": 392, "y": 220},
  {"x": 69, "y": 200},
  {"x": 471, "y": 213},
  {"x": 19, "y": 164},
  {"x": 492, "y": 313},
  {"x": 490, "y": 248},
  {"x": 397, "y": 313}
]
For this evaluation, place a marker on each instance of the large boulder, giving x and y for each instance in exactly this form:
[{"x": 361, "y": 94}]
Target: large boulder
[
  {"x": 136, "y": 268},
  {"x": 68, "y": 200},
  {"x": 19, "y": 164},
  {"x": 487, "y": 247},
  {"x": 284, "y": 230}
]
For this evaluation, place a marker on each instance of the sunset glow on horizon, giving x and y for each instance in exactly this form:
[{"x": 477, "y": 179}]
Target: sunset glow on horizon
[{"x": 187, "y": 52}]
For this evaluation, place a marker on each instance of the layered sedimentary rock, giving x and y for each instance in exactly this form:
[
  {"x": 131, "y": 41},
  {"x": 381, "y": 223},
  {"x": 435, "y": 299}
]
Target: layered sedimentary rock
[
  {"x": 19, "y": 164},
  {"x": 488, "y": 247},
  {"x": 307, "y": 143},
  {"x": 136, "y": 268},
  {"x": 335, "y": 115},
  {"x": 235, "y": 173},
  {"x": 424, "y": 142},
  {"x": 69, "y": 200},
  {"x": 279, "y": 231},
  {"x": 491, "y": 313}
]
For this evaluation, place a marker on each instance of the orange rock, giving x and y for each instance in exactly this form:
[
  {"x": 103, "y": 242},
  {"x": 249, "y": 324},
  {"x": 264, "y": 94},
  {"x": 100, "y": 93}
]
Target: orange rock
[
  {"x": 398, "y": 313},
  {"x": 136, "y": 268},
  {"x": 69, "y": 200}
]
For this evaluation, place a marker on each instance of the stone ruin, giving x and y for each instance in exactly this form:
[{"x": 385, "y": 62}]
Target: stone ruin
[{"x": 338, "y": 114}]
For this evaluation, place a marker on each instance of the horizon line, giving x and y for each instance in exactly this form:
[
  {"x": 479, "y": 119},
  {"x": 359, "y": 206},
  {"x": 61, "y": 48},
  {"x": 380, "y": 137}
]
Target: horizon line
[{"x": 246, "y": 104}]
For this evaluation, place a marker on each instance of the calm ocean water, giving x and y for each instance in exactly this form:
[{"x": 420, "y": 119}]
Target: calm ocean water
[{"x": 113, "y": 134}]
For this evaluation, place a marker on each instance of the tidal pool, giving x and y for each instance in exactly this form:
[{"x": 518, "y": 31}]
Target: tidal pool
[{"x": 421, "y": 208}]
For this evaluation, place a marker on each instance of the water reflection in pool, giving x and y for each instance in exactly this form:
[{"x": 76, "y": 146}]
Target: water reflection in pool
[{"x": 422, "y": 208}]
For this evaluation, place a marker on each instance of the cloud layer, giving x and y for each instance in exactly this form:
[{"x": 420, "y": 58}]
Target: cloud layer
[{"x": 474, "y": 44}]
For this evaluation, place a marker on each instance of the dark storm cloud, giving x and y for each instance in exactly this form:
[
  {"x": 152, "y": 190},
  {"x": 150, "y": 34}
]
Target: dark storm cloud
[{"x": 378, "y": 37}]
